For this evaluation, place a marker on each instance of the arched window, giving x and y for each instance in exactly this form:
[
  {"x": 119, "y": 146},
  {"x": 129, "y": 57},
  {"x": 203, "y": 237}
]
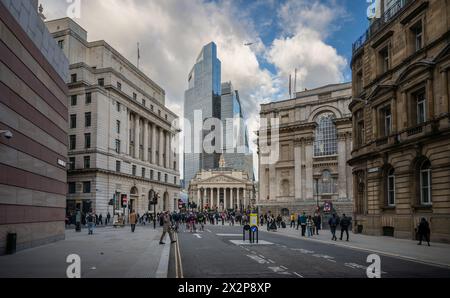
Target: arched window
[
  {"x": 425, "y": 183},
  {"x": 391, "y": 187},
  {"x": 326, "y": 136}
]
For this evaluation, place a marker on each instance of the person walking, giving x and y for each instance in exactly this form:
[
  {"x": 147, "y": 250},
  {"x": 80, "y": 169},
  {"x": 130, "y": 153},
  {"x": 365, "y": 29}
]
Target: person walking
[
  {"x": 310, "y": 226},
  {"x": 108, "y": 218},
  {"x": 317, "y": 223},
  {"x": 303, "y": 219},
  {"x": 424, "y": 231},
  {"x": 90, "y": 220},
  {"x": 333, "y": 223},
  {"x": 345, "y": 223},
  {"x": 167, "y": 228},
  {"x": 133, "y": 218},
  {"x": 100, "y": 219}
]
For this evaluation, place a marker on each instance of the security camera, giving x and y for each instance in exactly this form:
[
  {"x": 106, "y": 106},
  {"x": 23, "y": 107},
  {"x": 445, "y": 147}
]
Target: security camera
[{"x": 7, "y": 134}]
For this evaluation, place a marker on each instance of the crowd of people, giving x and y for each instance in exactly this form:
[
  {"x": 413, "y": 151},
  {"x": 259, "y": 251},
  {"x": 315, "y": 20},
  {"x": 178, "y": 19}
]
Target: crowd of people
[{"x": 194, "y": 221}]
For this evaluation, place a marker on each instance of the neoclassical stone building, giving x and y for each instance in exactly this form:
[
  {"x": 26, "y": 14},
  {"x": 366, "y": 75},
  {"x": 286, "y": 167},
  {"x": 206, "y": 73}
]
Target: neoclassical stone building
[
  {"x": 314, "y": 145},
  {"x": 120, "y": 131},
  {"x": 222, "y": 189},
  {"x": 401, "y": 159}
]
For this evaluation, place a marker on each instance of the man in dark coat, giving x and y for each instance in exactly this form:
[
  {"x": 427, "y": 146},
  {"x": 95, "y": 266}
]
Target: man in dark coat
[
  {"x": 424, "y": 231},
  {"x": 345, "y": 223}
]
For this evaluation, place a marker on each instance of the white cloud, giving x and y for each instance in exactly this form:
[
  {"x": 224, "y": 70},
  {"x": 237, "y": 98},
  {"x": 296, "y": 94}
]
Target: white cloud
[{"x": 171, "y": 33}]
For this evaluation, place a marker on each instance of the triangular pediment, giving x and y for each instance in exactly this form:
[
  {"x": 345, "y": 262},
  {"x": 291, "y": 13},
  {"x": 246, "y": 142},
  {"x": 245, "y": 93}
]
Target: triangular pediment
[{"x": 222, "y": 179}]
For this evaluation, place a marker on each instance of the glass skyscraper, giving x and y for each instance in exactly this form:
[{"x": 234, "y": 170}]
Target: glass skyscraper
[
  {"x": 203, "y": 95},
  {"x": 221, "y": 101}
]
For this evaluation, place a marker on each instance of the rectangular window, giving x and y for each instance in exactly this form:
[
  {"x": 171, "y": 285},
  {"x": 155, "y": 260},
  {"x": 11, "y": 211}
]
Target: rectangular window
[
  {"x": 118, "y": 146},
  {"x": 118, "y": 107},
  {"x": 87, "y": 140},
  {"x": 61, "y": 44},
  {"x": 151, "y": 174},
  {"x": 387, "y": 121},
  {"x": 73, "y": 100},
  {"x": 72, "y": 142},
  {"x": 87, "y": 119},
  {"x": 421, "y": 107},
  {"x": 384, "y": 60},
  {"x": 118, "y": 127},
  {"x": 71, "y": 163},
  {"x": 73, "y": 78},
  {"x": 143, "y": 172},
  {"x": 101, "y": 82},
  {"x": 166, "y": 178},
  {"x": 360, "y": 133},
  {"x": 175, "y": 180},
  {"x": 143, "y": 102},
  {"x": 159, "y": 176},
  {"x": 417, "y": 32},
  {"x": 425, "y": 187},
  {"x": 391, "y": 190},
  {"x": 72, "y": 187},
  {"x": 134, "y": 96},
  {"x": 87, "y": 162},
  {"x": 73, "y": 121},
  {"x": 118, "y": 166},
  {"x": 88, "y": 98},
  {"x": 87, "y": 187},
  {"x": 134, "y": 170},
  {"x": 151, "y": 108}
]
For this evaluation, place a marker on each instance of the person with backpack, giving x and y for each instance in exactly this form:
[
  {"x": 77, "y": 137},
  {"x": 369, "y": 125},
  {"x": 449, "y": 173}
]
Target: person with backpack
[
  {"x": 201, "y": 221},
  {"x": 345, "y": 223},
  {"x": 90, "y": 220},
  {"x": 310, "y": 226},
  {"x": 303, "y": 220},
  {"x": 333, "y": 223}
]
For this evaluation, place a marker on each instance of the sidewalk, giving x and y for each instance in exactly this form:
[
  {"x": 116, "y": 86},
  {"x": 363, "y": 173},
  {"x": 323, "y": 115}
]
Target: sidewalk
[
  {"x": 109, "y": 253},
  {"x": 437, "y": 254}
]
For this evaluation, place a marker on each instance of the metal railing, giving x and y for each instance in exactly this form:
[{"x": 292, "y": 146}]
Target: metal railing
[{"x": 378, "y": 24}]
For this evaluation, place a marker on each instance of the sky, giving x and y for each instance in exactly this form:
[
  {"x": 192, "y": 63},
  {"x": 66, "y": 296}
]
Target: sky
[{"x": 314, "y": 36}]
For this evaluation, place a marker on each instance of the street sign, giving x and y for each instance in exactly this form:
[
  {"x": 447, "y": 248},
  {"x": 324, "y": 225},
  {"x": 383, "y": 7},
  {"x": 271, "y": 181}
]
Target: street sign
[{"x": 254, "y": 220}]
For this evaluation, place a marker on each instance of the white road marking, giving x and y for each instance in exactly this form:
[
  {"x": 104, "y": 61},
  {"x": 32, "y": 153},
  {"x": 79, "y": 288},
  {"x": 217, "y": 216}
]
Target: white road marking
[
  {"x": 271, "y": 261},
  {"x": 240, "y": 242},
  {"x": 303, "y": 251},
  {"x": 229, "y": 235},
  {"x": 209, "y": 231},
  {"x": 198, "y": 236},
  {"x": 257, "y": 259},
  {"x": 299, "y": 275},
  {"x": 283, "y": 267},
  {"x": 262, "y": 256},
  {"x": 279, "y": 270}
]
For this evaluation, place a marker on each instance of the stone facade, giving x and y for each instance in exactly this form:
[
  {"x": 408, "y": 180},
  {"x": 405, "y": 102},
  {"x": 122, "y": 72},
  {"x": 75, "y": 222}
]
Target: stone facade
[
  {"x": 222, "y": 189},
  {"x": 120, "y": 131},
  {"x": 314, "y": 145},
  {"x": 33, "y": 107},
  {"x": 401, "y": 159}
]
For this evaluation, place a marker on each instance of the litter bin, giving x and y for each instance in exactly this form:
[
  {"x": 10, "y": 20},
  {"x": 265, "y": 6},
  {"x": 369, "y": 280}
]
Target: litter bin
[{"x": 11, "y": 241}]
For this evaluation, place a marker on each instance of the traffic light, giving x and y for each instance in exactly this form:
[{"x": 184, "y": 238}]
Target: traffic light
[
  {"x": 111, "y": 202},
  {"x": 124, "y": 201}
]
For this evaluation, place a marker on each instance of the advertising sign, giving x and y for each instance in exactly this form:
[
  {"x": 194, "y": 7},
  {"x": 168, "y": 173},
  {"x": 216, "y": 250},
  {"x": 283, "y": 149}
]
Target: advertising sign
[{"x": 254, "y": 220}]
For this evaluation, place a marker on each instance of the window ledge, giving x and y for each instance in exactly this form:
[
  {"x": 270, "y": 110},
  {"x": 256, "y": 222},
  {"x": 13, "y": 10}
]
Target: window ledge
[
  {"x": 423, "y": 207},
  {"x": 386, "y": 208}
]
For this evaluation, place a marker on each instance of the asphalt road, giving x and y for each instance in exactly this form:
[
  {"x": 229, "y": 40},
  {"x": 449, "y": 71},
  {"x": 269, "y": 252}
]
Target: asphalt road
[{"x": 212, "y": 254}]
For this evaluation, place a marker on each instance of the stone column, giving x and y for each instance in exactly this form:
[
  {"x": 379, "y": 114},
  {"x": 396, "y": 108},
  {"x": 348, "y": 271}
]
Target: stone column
[
  {"x": 171, "y": 153},
  {"x": 309, "y": 170},
  {"x": 225, "y": 204},
  {"x": 136, "y": 136},
  {"x": 198, "y": 198},
  {"x": 394, "y": 114},
  {"x": 342, "y": 166},
  {"x": 374, "y": 123},
  {"x": 273, "y": 187},
  {"x": 167, "y": 161},
  {"x": 445, "y": 95},
  {"x": 407, "y": 112},
  {"x": 218, "y": 198},
  {"x": 154, "y": 145},
  {"x": 238, "y": 197},
  {"x": 145, "y": 140},
  {"x": 245, "y": 197},
  {"x": 298, "y": 170},
  {"x": 161, "y": 147}
]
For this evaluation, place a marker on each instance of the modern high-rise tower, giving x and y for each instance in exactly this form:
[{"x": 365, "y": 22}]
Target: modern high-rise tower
[{"x": 203, "y": 95}]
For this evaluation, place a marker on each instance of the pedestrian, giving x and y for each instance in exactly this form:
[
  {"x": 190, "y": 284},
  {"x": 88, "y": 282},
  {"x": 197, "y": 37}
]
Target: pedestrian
[
  {"x": 310, "y": 226},
  {"x": 167, "y": 228},
  {"x": 279, "y": 220},
  {"x": 333, "y": 223},
  {"x": 133, "y": 218},
  {"x": 292, "y": 220},
  {"x": 303, "y": 220},
  {"x": 100, "y": 219},
  {"x": 345, "y": 223},
  {"x": 90, "y": 220},
  {"x": 317, "y": 223},
  {"x": 78, "y": 221},
  {"x": 424, "y": 231},
  {"x": 108, "y": 218}
]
